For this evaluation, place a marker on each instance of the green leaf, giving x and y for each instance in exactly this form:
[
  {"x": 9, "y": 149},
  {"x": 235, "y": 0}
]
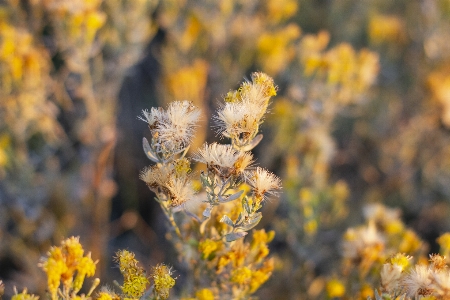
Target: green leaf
[
  {"x": 148, "y": 151},
  {"x": 228, "y": 198},
  {"x": 234, "y": 236},
  {"x": 225, "y": 219}
]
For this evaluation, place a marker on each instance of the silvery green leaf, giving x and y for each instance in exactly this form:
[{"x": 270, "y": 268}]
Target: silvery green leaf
[
  {"x": 246, "y": 206},
  {"x": 207, "y": 212},
  {"x": 377, "y": 295},
  {"x": 252, "y": 222},
  {"x": 228, "y": 198},
  {"x": 225, "y": 219},
  {"x": 234, "y": 236},
  {"x": 192, "y": 215},
  {"x": 148, "y": 151},
  {"x": 253, "y": 143},
  {"x": 184, "y": 150},
  {"x": 239, "y": 218}
]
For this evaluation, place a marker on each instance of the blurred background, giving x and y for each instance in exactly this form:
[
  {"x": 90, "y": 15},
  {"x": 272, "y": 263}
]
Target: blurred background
[{"x": 362, "y": 116}]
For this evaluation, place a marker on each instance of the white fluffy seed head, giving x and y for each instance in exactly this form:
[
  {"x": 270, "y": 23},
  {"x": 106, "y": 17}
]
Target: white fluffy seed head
[
  {"x": 418, "y": 281},
  {"x": 183, "y": 114},
  {"x": 234, "y": 119},
  {"x": 155, "y": 115},
  {"x": 157, "y": 175},
  {"x": 390, "y": 277},
  {"x": 180, "y": 190},
  {"x": 223, "y": 158},
  {"x": 174, "y": 128},
  {"x": 216, "y": 155},
  {"x": 263, "y": 182},
  {"x": 441, "y": 283}
]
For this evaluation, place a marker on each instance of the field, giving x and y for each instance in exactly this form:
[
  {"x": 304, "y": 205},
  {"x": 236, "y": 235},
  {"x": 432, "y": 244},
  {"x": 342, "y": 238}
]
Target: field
[{"x": 229, "y": 149}]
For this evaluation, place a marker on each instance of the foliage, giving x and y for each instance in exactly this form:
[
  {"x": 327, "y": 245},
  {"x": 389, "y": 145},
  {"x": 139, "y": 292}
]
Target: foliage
[{"x": 357, "y": 133}]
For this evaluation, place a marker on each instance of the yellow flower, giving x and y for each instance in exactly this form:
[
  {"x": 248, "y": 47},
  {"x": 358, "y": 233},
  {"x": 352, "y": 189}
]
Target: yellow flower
[
  {"x": 204, "y": 294},
  {"x": 276, "y": 50},
  {"x": 134, "y": 285},
  {"x": 394, "y": 227},
  {"x": 163, "y": 281},
  {"x": 207, "y": 247},
  {"x": 24, "y": 296},
  {"x": 439, "y": 262},
  {"x": 444, "y": 242},
  {"x": 335, "y": 288},
  {"x": 310, "y": 227},
  {"x": 224, "y": 260},
  {"x": 261, "y": 275},
  {"x": 259, "y": 243},
  {"x": 85, "y": 267},
  {"x": 134, "y": 280},
  {"x": 279, "y": 10},
  {"x": 367, "y": 292},
  {"x": 262, "y": 237},
  {"x": 106, "y": 294},
  {"x": 410, "y": 242},
  {"x": 61, "y": 264},
  {"x": 400, "y": 260},
  {"x": 54, "y": 266},
  {"x": 383, "y": 28},
  {"x": 241, "y": 275}
]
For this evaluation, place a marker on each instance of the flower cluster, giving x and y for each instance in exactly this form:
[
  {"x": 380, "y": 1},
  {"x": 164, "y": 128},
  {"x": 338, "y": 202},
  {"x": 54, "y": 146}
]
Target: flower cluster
[
  {"x": 382, "y": 246},
  {"x": 162, "y": 281},
  {"x": 61, "y": 265},
  {"x": 172, "y": 129},
  {"x": 134, "y": 279},
  {"x": 239, "y": 119},
  {"x": 425, "y": 279},
  {"x": 228, "y": 165},
  {"x": 241, "y": 266},
  {"x": 350, "y": 72},
  {"x": 234, "y": 191},
  {"x": 171, "y": 179}
]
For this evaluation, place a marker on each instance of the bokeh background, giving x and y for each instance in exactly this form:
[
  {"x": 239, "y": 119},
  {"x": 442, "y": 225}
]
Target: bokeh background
[{"x": 362, "y": 116}]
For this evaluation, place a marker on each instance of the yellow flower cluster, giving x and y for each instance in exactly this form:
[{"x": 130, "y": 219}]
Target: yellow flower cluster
[
  {"x": 280, "y": 10},
  {"x": 245, "y": 264},
  {"x": 204, "y": 294},
  {"x": 383, "y": 236},
  {"x": 23, "y": 296},
  {"x": 134, "y": 279},
  {"x": 63, "y": 262},
  {"x": 162, "y": 281},
  {"x": 439, "y": 85},
  {"x": 24, "y": 69},
  {"x": 261, "y": 86},
  {"x": 335, "y": 288},
  {"x": 277, "y": 49},
  {"x": 427, "y": 280},
  {"x": 444, "y": 243},
  {"x": 76, "y": 24},
  {"x": 382, "y": 246},
  {"x": 386, "y": 28},
  {"x": 353, "y": 72}
]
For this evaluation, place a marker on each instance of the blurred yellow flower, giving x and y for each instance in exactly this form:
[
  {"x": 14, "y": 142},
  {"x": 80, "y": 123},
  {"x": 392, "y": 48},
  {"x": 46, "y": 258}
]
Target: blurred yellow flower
[
  {"x": 204, "y": 294},
  {"x": 335, "y": 288},
  {"x": 241, "y": 275},
  {"x": 385, "y": 28}
]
